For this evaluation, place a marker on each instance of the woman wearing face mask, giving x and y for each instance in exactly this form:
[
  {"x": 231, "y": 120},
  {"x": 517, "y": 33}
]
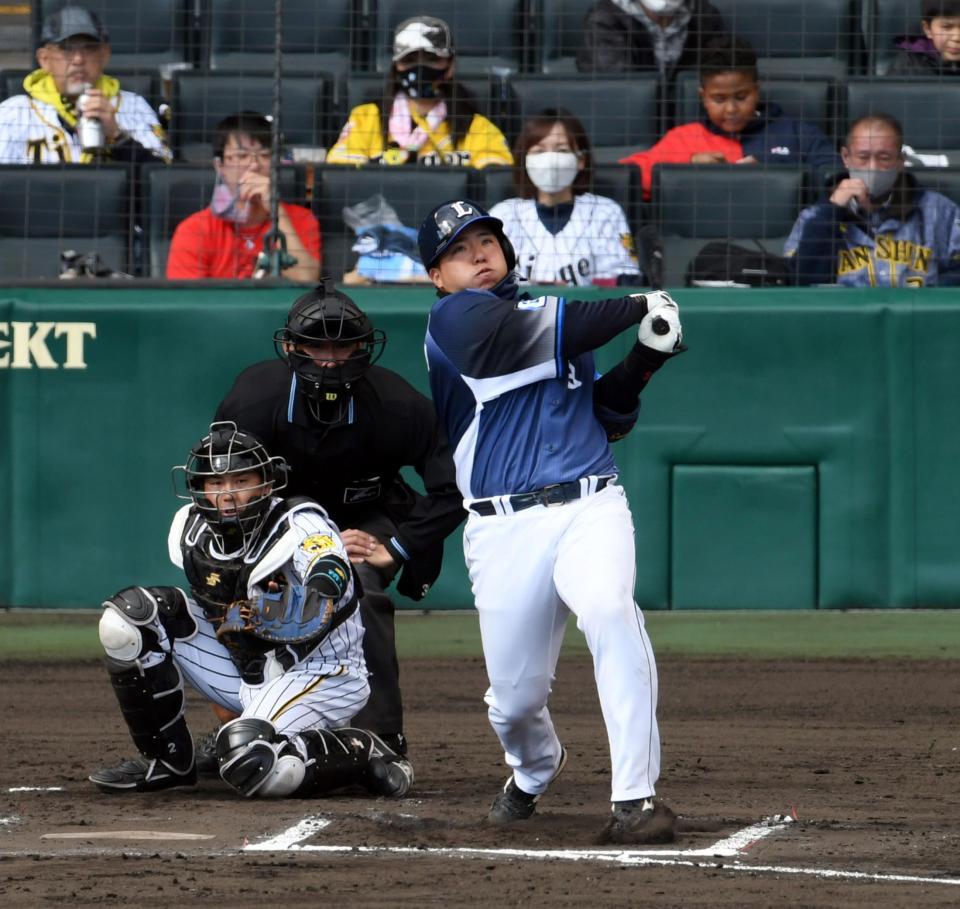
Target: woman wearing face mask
[
  {"x": 425, "y": 116},
  {"x": 562, "y": 233},
  {"x": 646, "y": 35}
]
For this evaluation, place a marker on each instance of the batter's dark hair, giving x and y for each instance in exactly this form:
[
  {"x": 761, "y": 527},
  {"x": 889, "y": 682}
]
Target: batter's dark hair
[
  {"x": 892, "y": 123},
  {"x": 246, "y": 122},
  {"x": 533, "y": 131},
  {"x": 931, "y": 9},
  {"x": 727, "y": 54}
]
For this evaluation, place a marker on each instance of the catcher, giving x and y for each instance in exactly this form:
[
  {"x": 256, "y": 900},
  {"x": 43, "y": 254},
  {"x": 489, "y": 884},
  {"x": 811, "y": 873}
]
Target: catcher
[{"x": 270, "y": 631}]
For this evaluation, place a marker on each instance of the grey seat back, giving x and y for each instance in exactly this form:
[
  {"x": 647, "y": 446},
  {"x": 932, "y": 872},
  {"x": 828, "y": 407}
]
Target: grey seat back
[
  {"x": 47, "y": 209},
  {"x": 693, "y": 204}
]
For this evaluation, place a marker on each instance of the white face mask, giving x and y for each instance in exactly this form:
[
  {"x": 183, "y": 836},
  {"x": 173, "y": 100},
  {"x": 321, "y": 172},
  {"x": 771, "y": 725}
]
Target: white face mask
[
  {"x": 552, "y": 171},
  {"x": 663, "y": 7},
  {"x": 878, "y": 182}
]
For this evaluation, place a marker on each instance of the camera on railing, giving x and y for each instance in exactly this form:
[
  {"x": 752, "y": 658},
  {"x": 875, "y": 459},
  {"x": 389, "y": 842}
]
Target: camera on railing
[{"x": 86, "y": 265}]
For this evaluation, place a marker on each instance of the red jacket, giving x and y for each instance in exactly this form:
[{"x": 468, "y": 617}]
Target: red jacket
[{"x": 677, "y": 147}]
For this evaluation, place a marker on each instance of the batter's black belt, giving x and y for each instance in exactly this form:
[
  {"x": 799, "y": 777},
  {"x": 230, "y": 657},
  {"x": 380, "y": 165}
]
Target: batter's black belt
[{"x": 557, "y": 494}]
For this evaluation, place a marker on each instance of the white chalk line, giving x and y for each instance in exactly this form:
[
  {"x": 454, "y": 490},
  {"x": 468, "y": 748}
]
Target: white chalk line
[
  {"x": 730, "y": 847},
  {"x": 36, "y": 789}
]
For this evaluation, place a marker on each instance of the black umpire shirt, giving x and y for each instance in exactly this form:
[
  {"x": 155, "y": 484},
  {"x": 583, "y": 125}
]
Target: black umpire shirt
[{"x": 352, "y": 468}]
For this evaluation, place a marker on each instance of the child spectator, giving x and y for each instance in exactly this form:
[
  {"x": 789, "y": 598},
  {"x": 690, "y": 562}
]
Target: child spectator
[
  {"x": 426, "y": 116},
  {"x": 562, "y": 233},
  {"x": 937, "y": 51},
  {"x": 656, "y": 35},
  {"x": 737, "y": 128}
]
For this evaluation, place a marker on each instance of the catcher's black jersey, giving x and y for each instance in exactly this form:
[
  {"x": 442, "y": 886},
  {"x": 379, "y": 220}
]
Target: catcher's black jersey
[{"x": 352, "y": 468}]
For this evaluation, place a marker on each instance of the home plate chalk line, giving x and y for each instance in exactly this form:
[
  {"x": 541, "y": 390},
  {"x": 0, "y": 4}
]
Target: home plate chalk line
[{"x": 733, "y": 847}]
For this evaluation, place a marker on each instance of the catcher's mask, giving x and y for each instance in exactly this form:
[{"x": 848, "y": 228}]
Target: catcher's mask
[
  {"x": 326, "y": 317},
  {"x": 228, "y": 452}
]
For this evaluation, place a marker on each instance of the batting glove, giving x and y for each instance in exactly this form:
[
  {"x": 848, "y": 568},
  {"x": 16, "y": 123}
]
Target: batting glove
[{"x": 660, "y": 328}]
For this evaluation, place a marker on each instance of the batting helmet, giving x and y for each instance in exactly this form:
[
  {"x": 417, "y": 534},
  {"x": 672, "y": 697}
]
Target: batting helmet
[
  {"x": 450, "y": 219},
  {"x": 324, "y": 315},
  {"x": 223, "y": 451}
]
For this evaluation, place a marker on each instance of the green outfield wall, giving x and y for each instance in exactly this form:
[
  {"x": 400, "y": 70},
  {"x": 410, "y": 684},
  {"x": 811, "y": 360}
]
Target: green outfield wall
[{"x": 804, "y": 453}]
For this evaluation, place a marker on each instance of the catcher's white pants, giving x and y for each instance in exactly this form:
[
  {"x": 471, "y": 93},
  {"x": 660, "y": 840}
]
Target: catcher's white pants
[
  {"x": 529, "y": 570},
  {"x": 323, "y": 690}
]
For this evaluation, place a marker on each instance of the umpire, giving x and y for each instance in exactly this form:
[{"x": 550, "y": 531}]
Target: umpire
[{"x": 346, "y": 428}]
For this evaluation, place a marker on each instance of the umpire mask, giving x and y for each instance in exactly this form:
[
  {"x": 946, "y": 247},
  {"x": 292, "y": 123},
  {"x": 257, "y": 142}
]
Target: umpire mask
[{"x": 329, "y": 343}]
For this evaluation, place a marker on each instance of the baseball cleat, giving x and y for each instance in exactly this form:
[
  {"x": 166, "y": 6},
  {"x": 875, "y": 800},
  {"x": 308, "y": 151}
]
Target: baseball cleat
[
  {"x": 640, "y": 821},
  {"x": 513, "y": 804},
  {"x": 141, "y": 775},
  {"x": 205, "y": 754},
  {"x": 391, "y": 779}
]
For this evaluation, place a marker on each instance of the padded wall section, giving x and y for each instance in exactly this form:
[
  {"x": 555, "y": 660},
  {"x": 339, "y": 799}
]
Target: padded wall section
[{"x": 743, "y": 537}]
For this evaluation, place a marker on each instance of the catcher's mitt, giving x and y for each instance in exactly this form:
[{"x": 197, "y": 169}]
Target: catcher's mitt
[{"x": 283, "y": 616}]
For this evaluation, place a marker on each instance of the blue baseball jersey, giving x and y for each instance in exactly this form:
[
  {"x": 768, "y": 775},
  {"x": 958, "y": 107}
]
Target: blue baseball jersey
[{"x": 517, "y": 406}]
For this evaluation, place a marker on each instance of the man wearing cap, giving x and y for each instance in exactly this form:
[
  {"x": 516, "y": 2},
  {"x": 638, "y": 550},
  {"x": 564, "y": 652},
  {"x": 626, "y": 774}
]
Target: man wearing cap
[
  {"x": 425, "y": 115},
  {"x": 41, "y": 126}
]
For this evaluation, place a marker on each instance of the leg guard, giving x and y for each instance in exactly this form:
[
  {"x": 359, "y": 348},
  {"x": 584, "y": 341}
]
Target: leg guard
[
  {"x": 127, "y": 615},
  {"x": 256, "y": 760},
  {"x": 345, "y": 756},
  {"x": 152, "y": 703}
]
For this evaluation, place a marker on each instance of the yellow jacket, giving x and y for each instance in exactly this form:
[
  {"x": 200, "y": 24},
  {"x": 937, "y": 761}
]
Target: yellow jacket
[{"x": 361, "y": 140}]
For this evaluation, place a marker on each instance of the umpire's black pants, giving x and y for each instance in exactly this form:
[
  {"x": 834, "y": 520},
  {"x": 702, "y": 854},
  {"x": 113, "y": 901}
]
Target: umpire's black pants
[{"x": 383, "y": 713}]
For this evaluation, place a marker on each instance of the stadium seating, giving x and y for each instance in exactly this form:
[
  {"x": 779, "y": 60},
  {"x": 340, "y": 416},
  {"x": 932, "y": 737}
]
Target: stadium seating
[
  {"x": 239, "y": 35},
  {"x": 889, "y": 20},
  {"x": 47, "y": 209},
  {"x": 693, "y": 204},
  {"x": 175, "y": 191},
  {"x": 928, "y": 109},
  {"x": 559, "y": 26},
  {"x": 411, "y": 192},
  {"x": 944, "y": 180},
  {"x": 201, "y": 100},
  {"x": 620, "y": 113},
  {"x": 490, "y": 35},
  {"x": 159, "y": 34},
  {"x": 799, "y": 37},
  {"x": 815, "y": 100}
]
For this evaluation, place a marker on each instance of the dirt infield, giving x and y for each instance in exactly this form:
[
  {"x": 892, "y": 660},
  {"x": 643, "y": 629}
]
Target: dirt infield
[{"x": 864, "y": 753}]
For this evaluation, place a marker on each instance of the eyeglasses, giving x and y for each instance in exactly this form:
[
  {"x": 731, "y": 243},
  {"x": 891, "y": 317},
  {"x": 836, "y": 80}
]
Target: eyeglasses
[
  {"x": 244, "y": 156},
  {"x": 71, "y": 48}
]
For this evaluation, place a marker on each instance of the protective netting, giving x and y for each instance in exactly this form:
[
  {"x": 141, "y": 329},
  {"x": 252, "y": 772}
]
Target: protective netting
[{"x": 734, "y": 114}]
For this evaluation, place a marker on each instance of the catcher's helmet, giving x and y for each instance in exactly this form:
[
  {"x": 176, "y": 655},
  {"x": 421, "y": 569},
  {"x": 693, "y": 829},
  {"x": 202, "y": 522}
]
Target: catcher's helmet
[
  {"x": 227, "y": 450},
  {"x": 325, "y": 315},
  {"x": 448, "y": 220}
]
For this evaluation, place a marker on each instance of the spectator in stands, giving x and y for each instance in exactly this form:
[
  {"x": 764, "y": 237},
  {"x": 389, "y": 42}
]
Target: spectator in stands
[
  {"x": 736, "y": 127},
  {"x": 224, "y": 239},
  {"x": 40, "y": 127},
  {"x": 660, "y": 36},
  {"x": 562, "y": 233},
  {"x": 878, "y": 228},
  {"x": 937, "y": 51},
  {"x": 426, "y": 116}
]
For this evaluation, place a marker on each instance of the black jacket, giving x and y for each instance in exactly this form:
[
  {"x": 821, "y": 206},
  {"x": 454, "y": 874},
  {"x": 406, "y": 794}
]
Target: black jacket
[
  {"x": 352, "y": 468},
  {"x": 616, "y": 42},
  {"x": 916, "y": 56}
]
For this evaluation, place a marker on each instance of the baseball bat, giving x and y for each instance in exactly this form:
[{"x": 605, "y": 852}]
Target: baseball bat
[{"x": 661, "y": 326}]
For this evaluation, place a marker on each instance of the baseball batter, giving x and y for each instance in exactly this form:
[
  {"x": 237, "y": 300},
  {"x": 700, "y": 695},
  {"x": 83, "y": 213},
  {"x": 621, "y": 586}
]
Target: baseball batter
[
  {"x": 271, "y": 632},
  {"x": 549, "y": 530}
]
